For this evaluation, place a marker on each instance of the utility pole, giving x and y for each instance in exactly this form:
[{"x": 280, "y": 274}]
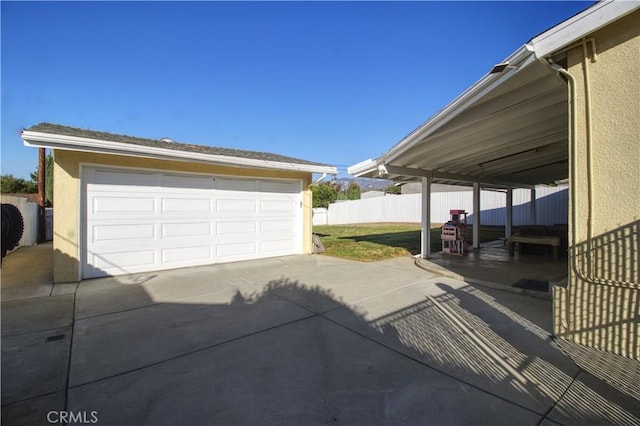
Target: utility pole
[{"x": 42, "y": 197}]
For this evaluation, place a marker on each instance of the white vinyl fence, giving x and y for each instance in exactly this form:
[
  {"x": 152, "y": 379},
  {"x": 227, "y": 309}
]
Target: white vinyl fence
[
  {"x": 29, "y": 213},
  {"x": 551, "y": 208},
  {"x": 320, "y": 216}
]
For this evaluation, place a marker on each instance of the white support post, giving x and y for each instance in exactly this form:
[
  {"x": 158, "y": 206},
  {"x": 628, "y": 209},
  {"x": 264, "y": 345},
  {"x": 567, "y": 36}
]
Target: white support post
[
  {"x": 476, "y": 215},
  {"x": 425, "y": 243},
  {"x": 534, "y": 219},
  {"x": 509, "y": 213}
]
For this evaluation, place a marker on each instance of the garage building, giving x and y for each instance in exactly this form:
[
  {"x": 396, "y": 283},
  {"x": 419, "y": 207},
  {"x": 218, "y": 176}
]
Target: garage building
[{"x": 125, "y": 204}]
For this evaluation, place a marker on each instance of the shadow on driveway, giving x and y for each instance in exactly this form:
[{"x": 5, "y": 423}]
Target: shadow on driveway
[{"x": 212, "y": 345}]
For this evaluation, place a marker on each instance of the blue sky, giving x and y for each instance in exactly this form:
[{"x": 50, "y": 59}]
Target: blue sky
[{"x": 334, "y": 82}]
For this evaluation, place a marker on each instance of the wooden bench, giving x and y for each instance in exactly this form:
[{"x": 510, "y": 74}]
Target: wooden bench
[{"x": 554, "y": 242}]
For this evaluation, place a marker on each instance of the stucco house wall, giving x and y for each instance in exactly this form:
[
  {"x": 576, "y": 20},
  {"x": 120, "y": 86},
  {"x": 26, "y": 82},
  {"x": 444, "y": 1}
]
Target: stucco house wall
[
  {"x": 67, "y": 188},
  {"x": 601, "y": 305}
]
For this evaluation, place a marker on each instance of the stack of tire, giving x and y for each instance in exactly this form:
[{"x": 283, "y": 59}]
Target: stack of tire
[{"x": 12, "y": 227}]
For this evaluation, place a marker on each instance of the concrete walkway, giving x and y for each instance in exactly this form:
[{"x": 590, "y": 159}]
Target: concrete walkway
[{"x": 295, "y": 340}]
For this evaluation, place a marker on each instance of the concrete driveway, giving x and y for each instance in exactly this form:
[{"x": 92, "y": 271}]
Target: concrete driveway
[{"x": 295, "y": 340}]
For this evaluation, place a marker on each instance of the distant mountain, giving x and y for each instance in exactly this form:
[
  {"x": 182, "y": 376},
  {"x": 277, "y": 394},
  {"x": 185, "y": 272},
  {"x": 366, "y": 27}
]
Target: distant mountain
[{"x": 366, "y": 184}]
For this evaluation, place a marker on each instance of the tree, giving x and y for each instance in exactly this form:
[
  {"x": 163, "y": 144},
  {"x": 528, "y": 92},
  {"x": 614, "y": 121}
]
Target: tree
[
  {"x": 323, "y": 195},
  {"x": 353, "y": 191},
  {"x": 13, "y": 185}
]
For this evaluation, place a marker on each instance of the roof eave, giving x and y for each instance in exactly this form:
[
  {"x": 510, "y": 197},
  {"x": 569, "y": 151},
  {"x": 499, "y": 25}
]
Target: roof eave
[
  {"x": 74, "y": 143},
  {"x": 366, "y": 168},
  {"x": 519, "y": 59},
  {"x": 539, "y": 48}
]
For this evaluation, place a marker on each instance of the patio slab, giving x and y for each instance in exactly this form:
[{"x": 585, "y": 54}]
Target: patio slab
[{"x": 491, "y": 266}]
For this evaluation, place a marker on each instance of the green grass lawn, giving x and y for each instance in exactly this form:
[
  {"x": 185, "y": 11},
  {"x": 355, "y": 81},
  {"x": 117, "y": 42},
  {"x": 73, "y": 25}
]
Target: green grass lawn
[{"x": 373, "y": 242}]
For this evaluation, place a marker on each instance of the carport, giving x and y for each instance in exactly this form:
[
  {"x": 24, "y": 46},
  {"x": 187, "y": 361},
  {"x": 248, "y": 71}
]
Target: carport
[
  {"x": 516, "y": 127},
  {"x": 509, "y": 130},
  {"x": 560, "y": 107}
]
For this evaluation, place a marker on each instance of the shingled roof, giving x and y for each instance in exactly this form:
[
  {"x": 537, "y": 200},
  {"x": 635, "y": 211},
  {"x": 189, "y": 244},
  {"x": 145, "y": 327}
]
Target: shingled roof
[{"x": 61, "y": 130}]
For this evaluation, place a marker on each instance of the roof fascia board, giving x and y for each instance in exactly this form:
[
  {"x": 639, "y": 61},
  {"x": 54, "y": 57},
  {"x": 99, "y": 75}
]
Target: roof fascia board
[
  {"x": 362, "y": 168},
  {"x": 386, "y": 169},
  {"x": 580, "y": 25},
  {"x": 519, "y": 59},
  {"x": 74, "y": 143}
]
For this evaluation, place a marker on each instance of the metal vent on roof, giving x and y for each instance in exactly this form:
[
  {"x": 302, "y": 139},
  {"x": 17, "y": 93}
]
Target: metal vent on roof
[{"x": 169, "y": 140}]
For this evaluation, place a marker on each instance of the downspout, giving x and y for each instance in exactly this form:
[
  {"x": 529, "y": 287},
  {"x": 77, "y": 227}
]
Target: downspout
[
  {"x": 573, "y": 166},
  {"x": 42, "y": 196},
  {"x": 589, "y": 141},
  {"x": 315, "y": 182}
]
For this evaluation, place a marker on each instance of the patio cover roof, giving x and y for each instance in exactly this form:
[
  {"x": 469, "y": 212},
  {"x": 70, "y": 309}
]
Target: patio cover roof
[{"x": 510, "y": 128}]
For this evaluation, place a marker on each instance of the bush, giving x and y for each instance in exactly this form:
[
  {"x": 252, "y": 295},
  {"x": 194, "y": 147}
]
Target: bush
[
  {"x": 323, "y": 195},
  {"x": 392, "y": 189}
]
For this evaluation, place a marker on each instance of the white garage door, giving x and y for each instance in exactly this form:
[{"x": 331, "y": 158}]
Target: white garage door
[{"x": 138, "y": 221}]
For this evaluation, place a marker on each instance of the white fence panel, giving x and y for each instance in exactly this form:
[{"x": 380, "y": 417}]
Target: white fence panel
[
  {"x": 29, "y": 213},
  {"x": 30, "y": 217},
  {"x": 320, "y": 216},
  {"x": 551, "y": 207},
  {"x": 442, "y": 202}
]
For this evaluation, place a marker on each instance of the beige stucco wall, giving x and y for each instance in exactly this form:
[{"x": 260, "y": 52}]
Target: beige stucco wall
[
  {"x": 66, "y": 185},
  {"x": 601, "y": 306}
]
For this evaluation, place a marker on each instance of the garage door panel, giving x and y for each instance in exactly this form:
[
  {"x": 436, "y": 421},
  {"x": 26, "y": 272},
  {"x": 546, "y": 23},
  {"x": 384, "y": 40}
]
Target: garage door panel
[
  {"x": 184, "y": 183},
  {"x": 137, "y": 222},
  {"x": 239, "y": 227},
  {"x": 116, "y": 179},
  {"x": 120, "y": 261},
  {"x": 234, "y": 185},
  {"x": 118, "y": 232},
  {"x": 277, "y": 207},
  {"x": 186, "y": 255},
  {"x": 231, "y": 206},
  {"x": 122, "y": 205},
  {"x": 244, "y": 250},
  {"x": 191, "y": 206},
  {"x": 276, "y": 226},
  {"x": 186, "y": 230},
  {"x": 276, "y": 236},
  {"x": 279, "y": 187},
  {"x": 276, "y": 246}
]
